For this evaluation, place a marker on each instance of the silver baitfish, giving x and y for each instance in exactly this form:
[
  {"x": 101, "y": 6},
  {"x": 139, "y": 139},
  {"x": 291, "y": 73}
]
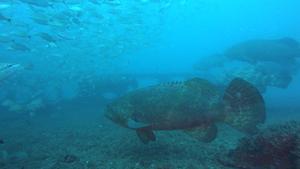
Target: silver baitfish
[{"x": 8, "y": 69}]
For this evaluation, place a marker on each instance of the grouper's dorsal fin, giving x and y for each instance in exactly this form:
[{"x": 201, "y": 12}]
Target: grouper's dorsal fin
[
  {"x": 196, "y": 82},
  {"x": 172, "y": 84},
  {"x": 132, "y": 124},
  {"x": 203, "y": 85}
]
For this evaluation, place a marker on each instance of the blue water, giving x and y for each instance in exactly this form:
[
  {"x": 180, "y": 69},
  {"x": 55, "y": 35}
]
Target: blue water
[{"x": 75, "y": 57}]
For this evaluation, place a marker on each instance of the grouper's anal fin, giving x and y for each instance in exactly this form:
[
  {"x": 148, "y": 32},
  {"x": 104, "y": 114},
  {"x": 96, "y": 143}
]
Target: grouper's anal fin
[
  {"x": 204, "y": 133},
  {"x": 145, "y": 135}
]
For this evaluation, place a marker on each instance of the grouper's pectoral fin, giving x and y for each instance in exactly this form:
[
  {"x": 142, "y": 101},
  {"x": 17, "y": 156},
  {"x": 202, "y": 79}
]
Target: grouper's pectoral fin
[
  {"x": 143, "y": 130},
  {"x": 203, "y": 133},
  {"x": 132, "y": 124},
  {"x": 145, "y": 135}
]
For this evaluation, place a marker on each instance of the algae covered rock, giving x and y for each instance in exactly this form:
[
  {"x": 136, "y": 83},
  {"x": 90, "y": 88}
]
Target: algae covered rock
[{"x": 276, "y": 147}]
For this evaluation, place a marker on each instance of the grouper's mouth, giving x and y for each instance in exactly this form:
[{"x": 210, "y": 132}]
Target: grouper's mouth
[
  {"x": 108, "y": 115},
  {"x": 108, "y": 111}
]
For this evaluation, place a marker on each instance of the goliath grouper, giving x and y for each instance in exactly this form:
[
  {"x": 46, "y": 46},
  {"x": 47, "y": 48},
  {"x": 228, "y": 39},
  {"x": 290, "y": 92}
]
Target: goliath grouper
[
  {"x": 281, "y": 51},
  {"x": 194, "y": 106}
]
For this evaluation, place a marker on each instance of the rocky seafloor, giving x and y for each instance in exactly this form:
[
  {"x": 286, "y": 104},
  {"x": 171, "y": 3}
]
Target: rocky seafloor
[{"x": 79, "y": 137}]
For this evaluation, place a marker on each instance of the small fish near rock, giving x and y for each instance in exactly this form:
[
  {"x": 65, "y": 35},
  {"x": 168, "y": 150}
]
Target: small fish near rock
[
  {"x": 69, "y": 161},
  {"x": 194, "y": 106},
  {"x": 70, "y": 158}
]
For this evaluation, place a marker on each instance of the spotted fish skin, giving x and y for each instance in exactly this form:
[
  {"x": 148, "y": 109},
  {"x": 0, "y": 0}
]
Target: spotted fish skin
[
  {"x": 169, "y": 106},
  {"x": 194, "y": 105}
]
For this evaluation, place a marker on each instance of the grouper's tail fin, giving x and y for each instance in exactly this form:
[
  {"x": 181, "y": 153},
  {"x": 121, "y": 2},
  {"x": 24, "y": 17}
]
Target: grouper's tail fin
[{"x": 244, "y": 106}]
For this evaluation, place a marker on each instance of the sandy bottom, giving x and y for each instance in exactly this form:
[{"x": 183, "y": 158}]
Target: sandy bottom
[{"x": 77, "y": 136}]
